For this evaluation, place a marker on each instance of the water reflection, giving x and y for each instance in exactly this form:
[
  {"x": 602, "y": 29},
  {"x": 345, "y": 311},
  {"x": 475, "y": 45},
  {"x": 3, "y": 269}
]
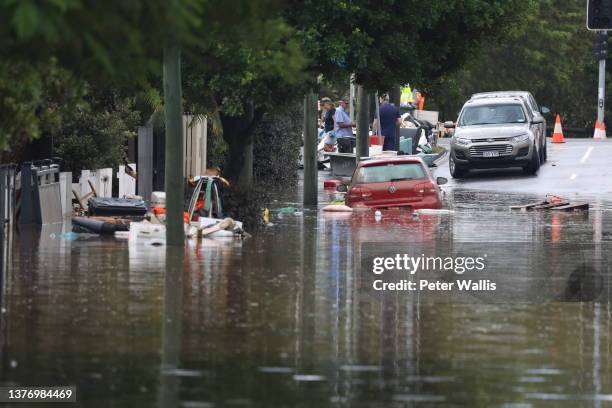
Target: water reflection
[
  {"x": 281, "y": 319},
  {"x": 172, "y": 328}
]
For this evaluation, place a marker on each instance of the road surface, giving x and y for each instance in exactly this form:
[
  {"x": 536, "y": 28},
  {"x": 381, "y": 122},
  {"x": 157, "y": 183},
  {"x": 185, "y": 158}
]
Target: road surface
[{"x": 580, "y": 168}]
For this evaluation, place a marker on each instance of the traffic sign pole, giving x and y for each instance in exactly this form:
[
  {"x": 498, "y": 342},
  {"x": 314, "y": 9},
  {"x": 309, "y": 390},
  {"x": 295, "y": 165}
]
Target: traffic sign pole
[
  {"x": 601, "y": 94},
  {"x": 599, "y": 19}
]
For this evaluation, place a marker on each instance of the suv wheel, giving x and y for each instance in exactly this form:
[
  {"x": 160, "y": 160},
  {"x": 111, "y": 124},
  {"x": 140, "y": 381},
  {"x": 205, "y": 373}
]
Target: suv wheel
[
  {"x": 534, "y": 164},
  {"x": 455, "y": 171},
  {"x": 545, "y": 151}
]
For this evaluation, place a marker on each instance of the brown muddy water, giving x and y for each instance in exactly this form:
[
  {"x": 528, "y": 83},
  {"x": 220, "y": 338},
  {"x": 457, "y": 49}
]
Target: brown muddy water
[{"x": 278, "y": 320}]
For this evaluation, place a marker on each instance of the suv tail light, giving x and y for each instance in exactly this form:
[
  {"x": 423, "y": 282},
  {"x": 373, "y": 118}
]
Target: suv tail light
[
  {"x": 359, "y": 193},
  {"x": 426, "y": 188}
]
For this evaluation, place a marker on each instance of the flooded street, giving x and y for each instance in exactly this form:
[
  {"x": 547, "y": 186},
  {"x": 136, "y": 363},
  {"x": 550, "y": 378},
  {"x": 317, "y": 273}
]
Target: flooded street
[{"x": 279, "y": 320}]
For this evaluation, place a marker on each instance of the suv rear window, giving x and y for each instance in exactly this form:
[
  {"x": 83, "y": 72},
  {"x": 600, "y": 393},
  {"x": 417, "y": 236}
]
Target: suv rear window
[
  {"x": 389, "y": 172},
  {"x": 492, "y": 114}
]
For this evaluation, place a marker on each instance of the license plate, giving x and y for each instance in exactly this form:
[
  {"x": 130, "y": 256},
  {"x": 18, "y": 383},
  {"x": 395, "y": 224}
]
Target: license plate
[{"x": 490, "y": 154}]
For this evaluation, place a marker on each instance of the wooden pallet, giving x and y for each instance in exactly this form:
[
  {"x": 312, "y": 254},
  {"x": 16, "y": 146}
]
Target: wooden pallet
[
  {"x": 546, "y": 205},
  {"x": 528, "y": 206},
  {"x": 573, "y": 207}
]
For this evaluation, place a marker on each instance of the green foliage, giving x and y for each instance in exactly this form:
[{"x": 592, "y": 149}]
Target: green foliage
[
  {"x": 112, "y": 39},
  {"x": 246, "y": 205},
  {"x": 550, "y": 55},
  {"x": 87, "y": 127},
  {"x": 34, "y": 98},
  {"x": 276, "y": 147},
  {"x": 256, "y": 60},
  {"x": 96, "y": 135},
  {"x": 392, "y": 42}
]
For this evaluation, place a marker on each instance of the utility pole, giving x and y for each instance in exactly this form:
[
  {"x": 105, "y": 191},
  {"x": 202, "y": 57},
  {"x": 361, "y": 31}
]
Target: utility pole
[
  {"x": 173, "y": 112},
  {"x": 599, "y": 19},
  {"x": 363, "y": 126},
  {"x": 310, "y": 149}
]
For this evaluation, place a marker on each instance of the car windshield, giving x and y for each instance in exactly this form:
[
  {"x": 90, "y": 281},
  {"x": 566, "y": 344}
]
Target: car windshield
[
  {"x": 492, "y": 114},
  {"x": 389, "y": 172}
]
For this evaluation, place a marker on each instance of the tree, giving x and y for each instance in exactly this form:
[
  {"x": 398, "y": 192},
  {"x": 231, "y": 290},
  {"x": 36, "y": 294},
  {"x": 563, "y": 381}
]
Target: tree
[
  {"x": 35, "y": 99},
  {"x": 550, "y": 55},
  {"x": 393, "y": 42},
  {"x": 80, "y": 37},
  {"x": 253, "y": 65}
]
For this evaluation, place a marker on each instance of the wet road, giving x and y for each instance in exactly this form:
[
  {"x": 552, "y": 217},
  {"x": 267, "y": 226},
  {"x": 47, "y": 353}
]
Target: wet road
[
  {"x": 280, "y": 320},
  {"x": 577, "y": 168}
]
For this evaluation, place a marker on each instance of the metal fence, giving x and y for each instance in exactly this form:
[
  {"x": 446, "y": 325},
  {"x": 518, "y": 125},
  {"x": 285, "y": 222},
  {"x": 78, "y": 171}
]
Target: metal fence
[
  {"x": 8, "y": 190},
  {"x": 7, "y": 194},
  {"x": 40, "y": 200}
]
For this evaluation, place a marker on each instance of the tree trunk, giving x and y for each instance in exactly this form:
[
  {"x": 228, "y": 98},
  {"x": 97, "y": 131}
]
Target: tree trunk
[
  {"x": 239, "y": 167},
  {"x": 238, "y": 133}
]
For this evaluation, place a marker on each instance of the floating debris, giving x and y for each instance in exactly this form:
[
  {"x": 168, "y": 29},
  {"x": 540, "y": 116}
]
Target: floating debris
[
  {"x": 276, "y": 370},
  {"x": 308, "y": 377},
  {"x": 552, "y": 202}
]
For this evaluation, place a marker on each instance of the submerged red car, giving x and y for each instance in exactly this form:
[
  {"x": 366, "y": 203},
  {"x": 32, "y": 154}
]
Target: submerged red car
[{"x": 395, "y": 181}]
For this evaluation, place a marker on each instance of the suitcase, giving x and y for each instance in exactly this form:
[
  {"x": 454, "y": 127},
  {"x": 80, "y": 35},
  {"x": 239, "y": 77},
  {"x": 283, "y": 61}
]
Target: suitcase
[{"x": 116, "y": 206}]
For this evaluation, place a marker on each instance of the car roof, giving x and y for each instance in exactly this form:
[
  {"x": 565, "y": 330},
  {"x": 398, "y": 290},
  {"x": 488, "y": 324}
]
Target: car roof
[
  {"x": 501, "y": 100},
  {"x": 499, "y": 94},
  {"x": 376, "y": 161}
]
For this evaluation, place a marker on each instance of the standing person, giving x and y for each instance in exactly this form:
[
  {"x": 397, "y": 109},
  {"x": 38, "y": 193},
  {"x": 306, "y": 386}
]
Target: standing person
[
  {"x": 344, "y": 125},
  {"x": 390, "y": 118},
  {"x": 328, "y": 116}
]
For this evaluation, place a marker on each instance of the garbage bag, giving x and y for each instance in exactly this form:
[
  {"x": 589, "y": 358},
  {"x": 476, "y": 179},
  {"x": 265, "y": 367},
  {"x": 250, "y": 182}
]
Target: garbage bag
[{"x": 424, "y": 145}]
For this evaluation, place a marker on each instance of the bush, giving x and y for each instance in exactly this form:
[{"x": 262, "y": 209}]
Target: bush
[
  {"x": 276, "y": 148},
  {"x": 246, "y": 206},
  {"x": 92, "y": 139}
]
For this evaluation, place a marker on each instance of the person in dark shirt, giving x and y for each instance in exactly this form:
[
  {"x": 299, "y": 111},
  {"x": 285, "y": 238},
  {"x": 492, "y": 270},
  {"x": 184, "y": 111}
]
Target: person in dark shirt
[
  {"x": 328, "y": 117},
  {"x": 390, "y": 118}
]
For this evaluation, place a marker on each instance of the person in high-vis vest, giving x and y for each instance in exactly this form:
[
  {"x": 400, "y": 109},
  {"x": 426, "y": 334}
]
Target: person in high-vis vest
[{"x": 406, "y": 97}]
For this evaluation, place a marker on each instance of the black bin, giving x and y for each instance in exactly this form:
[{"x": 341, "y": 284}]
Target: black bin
[{"x": 346, "y": 144}]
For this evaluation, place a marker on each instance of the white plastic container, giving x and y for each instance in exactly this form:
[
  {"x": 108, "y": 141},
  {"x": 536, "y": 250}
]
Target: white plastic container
[{"x": 154, "y": 234}]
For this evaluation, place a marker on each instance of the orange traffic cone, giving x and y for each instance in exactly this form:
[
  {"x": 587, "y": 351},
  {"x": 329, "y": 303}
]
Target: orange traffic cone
[
  {"x": 558, "y": 133},
  {"x": 600, "y": 130}
]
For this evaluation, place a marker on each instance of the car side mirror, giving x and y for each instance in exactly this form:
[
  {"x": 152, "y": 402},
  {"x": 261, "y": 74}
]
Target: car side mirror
[
  {"x": 544, "y": 110},
  {"x": 342, "y": 188},
  {"x": 537, "y": 120},
  {"x": 449, "y": 125},
  {"x": 441, "y": 181}
]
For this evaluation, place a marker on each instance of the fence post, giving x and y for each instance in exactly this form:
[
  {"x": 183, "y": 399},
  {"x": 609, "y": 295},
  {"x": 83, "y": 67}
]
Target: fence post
[
  {"x": 30, "y": 213},
  {"x": 145, "y": 162},
  {"x": 66, "y": 193}
]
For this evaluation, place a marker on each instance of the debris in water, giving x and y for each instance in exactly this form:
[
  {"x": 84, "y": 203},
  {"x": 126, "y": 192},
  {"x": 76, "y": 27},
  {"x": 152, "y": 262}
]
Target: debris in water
[
  {"x": 286, "y": 210},
  {"x": 275, "y": 370},
  {"x": 308, "y": 377},
  {"x": 427, "y": 211},
  {"x": 337, "y": 208},
  {"x": 67, "y": 236}
]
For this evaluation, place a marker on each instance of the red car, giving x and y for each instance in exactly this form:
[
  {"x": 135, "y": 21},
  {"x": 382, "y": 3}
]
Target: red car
[{"x": 393, "y": 182}]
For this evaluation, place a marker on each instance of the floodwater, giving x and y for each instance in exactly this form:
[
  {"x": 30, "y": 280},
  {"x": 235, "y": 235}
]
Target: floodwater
[{"x": 278, "y": 320}]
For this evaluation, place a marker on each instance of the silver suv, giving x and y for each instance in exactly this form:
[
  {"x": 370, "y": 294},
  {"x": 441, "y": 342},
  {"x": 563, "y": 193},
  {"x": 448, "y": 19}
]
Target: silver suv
[
  {"x": 537, "y": 112},
  {"x": 496, "y": 132}
]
